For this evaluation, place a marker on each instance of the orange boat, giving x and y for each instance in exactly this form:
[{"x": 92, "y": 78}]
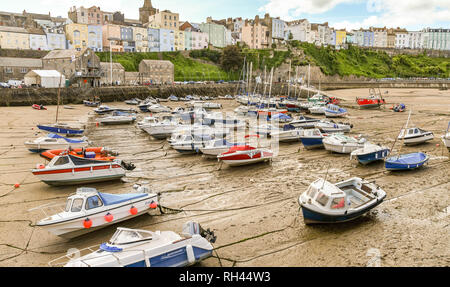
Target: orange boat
[{"x": 94, "y": 153}]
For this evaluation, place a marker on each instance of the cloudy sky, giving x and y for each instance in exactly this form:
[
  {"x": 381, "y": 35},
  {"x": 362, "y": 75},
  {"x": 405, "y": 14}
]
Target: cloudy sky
[{"x": 411, "y": 14}]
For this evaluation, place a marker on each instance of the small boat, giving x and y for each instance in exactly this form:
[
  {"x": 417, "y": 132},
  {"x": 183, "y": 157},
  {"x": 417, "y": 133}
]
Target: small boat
[
  {"x": 103, "y": 109},
  {"x": 341, "y": 143},
  {"x": 97, "y": 153},
  {"x": 133, "y": 102},
  {"x": 370, "y": 153},
  {"x": 69, "y": 108},
  {"x": 89, "y": 210},
  {"x": 324, "y": 202},
  {"x": 54, "y": 141},
  {"x": 333, "y": 111},
  {"x": 304, "y": 122},
  {"x": 398, "y": 108},
  {"x": 157, "y": 108},
  {"x": 173, "y": 98},
  {"x": 406, "y": 161},
  {"x": 144, "y": 105},
  {"x": 117, "y": 118},
  {"x": 142, "y": 248},
  {"x": 39, "y": 107},
  {"x": 332, "y": 127},
  {"x": 189, "y": 143},
  {"x": 60, "y": 128},
  {"x": 413, "y": 136},
  {"x": 281, "y": 118},
  {"x": 289, "y": 133},
  {"x": 92, "y": 104},
  {"x": 69, "y": 169},
  {"x": 215, "y": 147},
  {"x": 271, "y": 112},
  {"x": 244, "y": 155},
  {"x": 147, "y": 121},
  {"x": 446, "y": 137},
  {"x": 211, "y": 106},
  {"x": 317, "y": 109},
  {"x": 312, "y": 138},
  {"x": 162, "y": 129},
  {"x": 374, "y": 100}
]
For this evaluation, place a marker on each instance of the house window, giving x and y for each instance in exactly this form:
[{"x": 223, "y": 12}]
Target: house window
[
  {"x": 8, "y": 70},
  {"x": 23, "y": 70}
]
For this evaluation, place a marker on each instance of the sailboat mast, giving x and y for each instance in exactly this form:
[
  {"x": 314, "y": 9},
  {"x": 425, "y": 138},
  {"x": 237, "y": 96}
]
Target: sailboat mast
[
  {"x": 296, "y": 81},
  {"x": 59, "y": 96},
  {"x": 309, "y": 77},
  {"x": 289, "y": 82},
  {"x": 270, "y": 89}
]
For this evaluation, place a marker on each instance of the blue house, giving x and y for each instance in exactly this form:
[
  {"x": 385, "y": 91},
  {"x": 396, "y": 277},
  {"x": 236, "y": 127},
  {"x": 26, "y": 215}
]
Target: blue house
[
  {"x": 153, "y": 40},
  {"x": 166, "y": 40},
  {"x": 95, "y": 38},
  {"x": 126, "y": 35}
]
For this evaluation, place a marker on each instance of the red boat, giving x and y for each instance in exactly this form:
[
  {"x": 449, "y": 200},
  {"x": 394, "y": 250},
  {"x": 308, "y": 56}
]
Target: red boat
[
  {"x": 370, "y": 102},
  {"x": 245, "y": 154},
  {"x": 375, "y": 100},
  {"x": 38, "y": 107}
]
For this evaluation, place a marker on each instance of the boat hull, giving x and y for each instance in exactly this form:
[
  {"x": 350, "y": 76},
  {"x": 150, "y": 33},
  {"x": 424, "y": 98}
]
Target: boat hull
[
  {"x": 419, "y": 139},
  {"x": 341, "y": 148},
  {"x": 80, "y": 175},
  {"x": 372, "y": 157},
  {"x": 313, "y": 217},
  {"x": 38, "y": 148},
  {"x": 57, "y": 130},
  {"x": 312, "y": 142},
  {"x": 393, "y": 163}
]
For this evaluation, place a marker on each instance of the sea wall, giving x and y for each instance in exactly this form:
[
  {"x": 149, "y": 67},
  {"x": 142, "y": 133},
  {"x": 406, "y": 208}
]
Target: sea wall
[{"x": 30, "y": 96}]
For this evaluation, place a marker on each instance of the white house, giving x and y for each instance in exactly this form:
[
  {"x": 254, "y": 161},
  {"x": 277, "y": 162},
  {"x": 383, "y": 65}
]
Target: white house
[{"x": 45, "y": 78}]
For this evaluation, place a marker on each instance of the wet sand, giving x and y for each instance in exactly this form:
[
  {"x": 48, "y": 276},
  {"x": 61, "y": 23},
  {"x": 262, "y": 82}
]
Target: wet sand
[{"x": 253, "y": 210}]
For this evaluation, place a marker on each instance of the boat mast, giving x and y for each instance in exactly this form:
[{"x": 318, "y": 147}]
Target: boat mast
[
  {"x": 309, "y": 77},
  {"x": 289, "y": 83},
  {"x": 296, "y": 81},
  {"x": 270, "y": 89},
  {"x": 404, "y": 134},
  {"x": 250, "y": 77}
]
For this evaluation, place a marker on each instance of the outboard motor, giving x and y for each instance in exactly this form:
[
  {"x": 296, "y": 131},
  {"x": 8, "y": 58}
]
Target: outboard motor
[
  {"x": 190, "y": 228},
  {"x": 128, "y": 166}
]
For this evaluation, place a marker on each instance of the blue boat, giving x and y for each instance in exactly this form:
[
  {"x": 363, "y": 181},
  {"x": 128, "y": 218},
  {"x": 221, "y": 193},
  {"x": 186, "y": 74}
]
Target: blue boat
[
  {"x": 333, "y": 111},
  {"x": 142, "y": 248},
  {"x": 282, "y": 118},
  {"x": 406, "y": 161},
  {"x": 370, "y": 153},
  {"x": 312, "y": 139},
  {"x": 61, "y": 129}
]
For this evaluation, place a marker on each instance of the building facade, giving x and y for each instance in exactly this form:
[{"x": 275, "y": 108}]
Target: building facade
[
  {"x": 146, "y": 11},
  {"x": 95, "y": 38},
  {"x": 140, "y": 37},
  {"x": 16, "y": 68},
  {"x": 437, "y": 39},
  {"x": 164, "y": 20},
  {"x": 379, "y": 37},
  {"x": 166, "y": 40},
  {"x": 156, "y": 72},
  {"x": 81, "y": 68},
  {"x": 38, "y": 39},
  {"x": 118, "y": 74},
  {"x": 14, "y": 38},
  {"x": 77, "y": 36},
  {"x": 179, "y": 39},
  {"x": 216, "y": 34},
  {"x": 112, "y": 38},
  {"x": 95, "y": 16},
  {"x": 154, "y": 40},
  {"x": 415, "y": 39},
  {"x": 127, "y": 38},
  {"x": 255, "y": 34}
]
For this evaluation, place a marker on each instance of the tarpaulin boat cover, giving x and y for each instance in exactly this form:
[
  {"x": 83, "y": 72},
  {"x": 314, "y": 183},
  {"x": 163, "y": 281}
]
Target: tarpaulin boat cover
[
  {"x": 281, "y": 116},
  {"x": 110, "y": 199},
  {"x": 408, "y": 159},
  {"x": 55, "y": 136}
]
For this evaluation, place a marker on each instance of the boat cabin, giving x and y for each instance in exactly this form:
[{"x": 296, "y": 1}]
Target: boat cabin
[
  {"x": 331, "y": 197},
  {"x": 411, "y": 132},
  {"x": 129, "y": 236}
]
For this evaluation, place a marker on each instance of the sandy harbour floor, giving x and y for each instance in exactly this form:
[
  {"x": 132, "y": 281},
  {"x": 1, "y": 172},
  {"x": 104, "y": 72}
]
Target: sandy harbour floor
[{"x": 253, "y": 210}]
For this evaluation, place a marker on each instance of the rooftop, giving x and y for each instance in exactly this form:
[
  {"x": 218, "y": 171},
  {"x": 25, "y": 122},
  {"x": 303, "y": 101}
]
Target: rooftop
[{"x": 20, "y": 62}]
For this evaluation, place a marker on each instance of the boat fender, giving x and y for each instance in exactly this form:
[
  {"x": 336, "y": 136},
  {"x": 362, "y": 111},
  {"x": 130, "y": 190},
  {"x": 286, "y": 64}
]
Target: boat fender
[
  {"x": 153, "y": 205},
  {"x": 133, "y": 210},
  {"x": 87, "y": 223},
  {"x": 190, "y": 254},
  {"x": 109, "y": 217}
]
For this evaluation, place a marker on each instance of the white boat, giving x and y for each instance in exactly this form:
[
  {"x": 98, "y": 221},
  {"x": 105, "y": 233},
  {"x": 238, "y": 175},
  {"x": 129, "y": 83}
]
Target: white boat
[
  {"x": 304, "y": 122},
  {"x": 54, "y": 141},
  {"x": 332, "y": 127},
  {"x": 147, "y": 121},
  {"x": 244, "y": 155},
  {"x": 117, "y": 118},
  {"x": 241, "y": 110},
  {"x": 289, "y": 133},
  {"x": 415, "y": 135},
  {"x": 446, "y": 137},
  {"x": 334, "y": 111},
  {"x": 317, "y": 109},
  {"x": 89, "y": 210},
  {"x": 189, "y": 143},
  {"x": 142, "y": 248},
  {"x": 157, "y": 108},
  {"x": 312, "y": 138},
  {"x": 163, "y": 128},
  {"x": 215, "y": 147},
  {"x": 324, "y": 202},
  {"x": 67, "y": 169},
  {"x": 341, "y": 143}
]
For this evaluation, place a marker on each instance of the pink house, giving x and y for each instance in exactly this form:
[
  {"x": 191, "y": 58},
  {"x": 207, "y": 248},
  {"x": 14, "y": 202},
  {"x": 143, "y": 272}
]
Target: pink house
[{"x": 111, "y": 31}]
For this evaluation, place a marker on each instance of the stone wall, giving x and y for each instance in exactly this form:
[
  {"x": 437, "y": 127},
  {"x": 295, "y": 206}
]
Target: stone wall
[{"x": 23, "y": 53}]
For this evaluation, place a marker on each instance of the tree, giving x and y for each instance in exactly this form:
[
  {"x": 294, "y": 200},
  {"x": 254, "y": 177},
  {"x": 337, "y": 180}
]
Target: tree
[{"x": 232, "y": 59}]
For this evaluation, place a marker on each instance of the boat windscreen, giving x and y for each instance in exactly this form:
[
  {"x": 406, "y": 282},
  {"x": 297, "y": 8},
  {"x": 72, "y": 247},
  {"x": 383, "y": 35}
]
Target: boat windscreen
[{"x": 83, "y": 161}]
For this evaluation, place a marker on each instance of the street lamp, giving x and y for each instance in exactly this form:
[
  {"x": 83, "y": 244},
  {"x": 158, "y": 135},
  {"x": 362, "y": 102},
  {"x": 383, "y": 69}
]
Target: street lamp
[{"x": 110, "y": 39}]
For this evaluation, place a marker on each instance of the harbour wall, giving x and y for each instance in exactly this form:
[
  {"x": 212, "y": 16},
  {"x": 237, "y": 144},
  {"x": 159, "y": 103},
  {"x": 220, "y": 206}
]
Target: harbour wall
[{"x": 30, "y": 96}]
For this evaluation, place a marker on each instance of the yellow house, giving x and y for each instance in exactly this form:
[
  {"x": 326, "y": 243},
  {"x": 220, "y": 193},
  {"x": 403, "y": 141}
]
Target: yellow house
[
  {"x": 77, "y": 36},
  {"x": 341, "y": 35},
  {"x": 179, "y": 40},
  {"x": 14, "y": 38},
  {"x": 165, "y": 20}
]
